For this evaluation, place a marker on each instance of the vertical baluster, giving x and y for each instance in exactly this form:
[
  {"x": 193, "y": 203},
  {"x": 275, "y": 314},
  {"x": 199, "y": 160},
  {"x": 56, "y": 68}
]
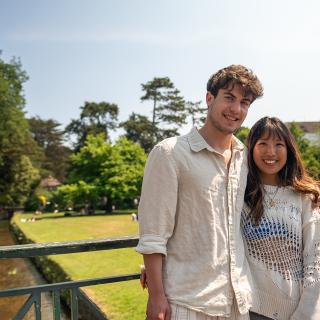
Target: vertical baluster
[
  {"x": 37, "y": 305},
  {"x": 56, "y": 305},
  {"x": 74, "y": 304}
]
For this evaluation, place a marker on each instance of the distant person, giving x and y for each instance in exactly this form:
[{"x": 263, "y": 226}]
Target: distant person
[
  {"x": 190, "y": 210},
  {"x": 281, "y": 227}
]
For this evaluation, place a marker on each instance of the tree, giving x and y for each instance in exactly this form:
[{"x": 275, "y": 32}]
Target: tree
[
  {"x": 80, "y": 194},
  {"x": 50, "y": 138},
  {"x": 168, "y": 107},
  {"x": 19, "y": 153},
  {"x": 298, "y": 133},
  {"x": 242, "y": 134},
  {"x": 310, "y": 153},
  {"x": 94, "y": 118},
  {"x": 139, "y": 129},
  {"x": 114, "y": 172},
  {"x": 197, "y": 114},
  {"x": 17, "y": 179},
  {"x": 122, "y": 173}
]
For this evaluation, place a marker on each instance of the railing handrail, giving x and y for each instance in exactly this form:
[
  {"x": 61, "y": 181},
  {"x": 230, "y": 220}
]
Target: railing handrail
[
  {"x": 52, "y": 248},
  {"x": 67, "y": 285}
]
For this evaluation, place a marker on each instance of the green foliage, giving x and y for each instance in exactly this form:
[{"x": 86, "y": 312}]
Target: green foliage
[
  {"x": 18, "y": 181},
  {"x": 12, "y": 78},
  {"x": 310, "y": 153},
  {"x": 122, "y": 173},
  {"x": 242, "y": 134},
  {"x": 78, "y": 194},
  {"x": 104, "y": 173},
  {"x": 139, "y": 129},
  {"x": 298, "y": 133},
  {"x": 169, "y": 111},
  {"x": 19, "y": 153},
  {"x": 95, "y": 118},
  {"x": 50, "y": 139},
  {"x": 197, "y": 114}
]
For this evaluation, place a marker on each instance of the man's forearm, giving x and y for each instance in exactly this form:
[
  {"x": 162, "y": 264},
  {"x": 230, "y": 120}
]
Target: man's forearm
[
  {"x": 158, "y": 307},
  {"x": 153, "y": 265}
]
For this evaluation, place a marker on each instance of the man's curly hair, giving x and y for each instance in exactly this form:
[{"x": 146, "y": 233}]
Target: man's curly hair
[{"x": 236, "y": 74}]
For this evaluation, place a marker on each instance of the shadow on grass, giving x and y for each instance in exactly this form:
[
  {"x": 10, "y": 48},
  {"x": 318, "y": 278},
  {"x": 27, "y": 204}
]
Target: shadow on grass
[{"x": 73, "y": 214}]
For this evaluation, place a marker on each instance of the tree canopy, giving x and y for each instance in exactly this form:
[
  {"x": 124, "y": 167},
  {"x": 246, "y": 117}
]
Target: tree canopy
[
  {"x": 94, "y": 118},
  {"x": 109, "y": 172},
  {"x": 168, "y": 113},
  {"x": 50, "y": 138},
  {"x": 19, "y": 153},
  {"x": 138, "y": 128}
]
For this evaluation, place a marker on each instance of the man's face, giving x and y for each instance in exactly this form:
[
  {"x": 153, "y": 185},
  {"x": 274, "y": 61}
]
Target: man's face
[{"x": 228, "y": 109}]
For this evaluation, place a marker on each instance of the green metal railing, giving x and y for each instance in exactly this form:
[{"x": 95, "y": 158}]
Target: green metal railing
[{"x": 44, "y": 249}]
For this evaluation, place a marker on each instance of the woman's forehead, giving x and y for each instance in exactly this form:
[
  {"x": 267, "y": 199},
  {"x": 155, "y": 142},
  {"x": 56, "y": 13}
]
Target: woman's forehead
[{"x": 272, "y": 134}]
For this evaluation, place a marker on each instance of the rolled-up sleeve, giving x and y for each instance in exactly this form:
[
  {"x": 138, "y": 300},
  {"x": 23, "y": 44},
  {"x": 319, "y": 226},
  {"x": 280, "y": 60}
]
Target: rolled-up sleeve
[{"x": 158, "y": 202}]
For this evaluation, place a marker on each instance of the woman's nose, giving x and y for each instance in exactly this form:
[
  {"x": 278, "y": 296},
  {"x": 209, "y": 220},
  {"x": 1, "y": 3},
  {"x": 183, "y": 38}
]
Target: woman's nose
[{"x": 271, "y": 150}]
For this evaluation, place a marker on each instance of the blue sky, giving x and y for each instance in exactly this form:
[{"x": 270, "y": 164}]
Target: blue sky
[{"x": 102, "y": 50}]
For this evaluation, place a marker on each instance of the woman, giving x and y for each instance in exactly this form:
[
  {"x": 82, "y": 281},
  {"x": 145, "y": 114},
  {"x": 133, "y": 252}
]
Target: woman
[
  {"x": 281, "y": 229},
  {"x": 280, "y": 226}
]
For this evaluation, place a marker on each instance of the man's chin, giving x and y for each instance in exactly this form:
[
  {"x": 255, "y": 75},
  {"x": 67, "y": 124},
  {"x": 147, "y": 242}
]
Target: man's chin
[
  {"x": 227, "y": 129},
  {"x": 231, "y": 130}
]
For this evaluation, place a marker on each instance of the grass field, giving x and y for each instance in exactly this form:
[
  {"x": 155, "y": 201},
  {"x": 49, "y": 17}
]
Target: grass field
[{"x": 124, "y": 300}]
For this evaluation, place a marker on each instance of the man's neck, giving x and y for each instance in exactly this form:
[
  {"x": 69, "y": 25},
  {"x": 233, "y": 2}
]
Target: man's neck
[{"x": 216, "y": 139}]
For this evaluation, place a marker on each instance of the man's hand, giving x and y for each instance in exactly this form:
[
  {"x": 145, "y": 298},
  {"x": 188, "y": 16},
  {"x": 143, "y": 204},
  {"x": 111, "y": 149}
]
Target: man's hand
[
  {"x": 158, "y": 308},
  {"x": 143, "y": 277}
]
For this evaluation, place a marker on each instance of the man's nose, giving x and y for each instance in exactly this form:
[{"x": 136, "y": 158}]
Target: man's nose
[{"x": 235, "y": 107}]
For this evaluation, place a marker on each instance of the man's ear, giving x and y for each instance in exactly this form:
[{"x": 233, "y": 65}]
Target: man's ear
[{"x": 209, "y": 98}]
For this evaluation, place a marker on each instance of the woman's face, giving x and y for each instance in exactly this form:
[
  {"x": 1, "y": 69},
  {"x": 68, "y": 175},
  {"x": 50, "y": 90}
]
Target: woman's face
[{"x": 270, "y": 156}]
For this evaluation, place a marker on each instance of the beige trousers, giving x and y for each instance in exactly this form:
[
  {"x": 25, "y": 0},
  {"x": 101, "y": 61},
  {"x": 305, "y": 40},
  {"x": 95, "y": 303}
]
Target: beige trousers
[{"x": 182, "y": 313}]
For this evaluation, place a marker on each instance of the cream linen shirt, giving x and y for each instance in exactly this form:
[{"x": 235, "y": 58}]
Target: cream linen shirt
[{"x": 190, "y": 212}]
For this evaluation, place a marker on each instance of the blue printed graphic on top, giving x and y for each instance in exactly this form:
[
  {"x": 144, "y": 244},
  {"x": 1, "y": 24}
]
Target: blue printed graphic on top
[{"x": 275, "y": 244}]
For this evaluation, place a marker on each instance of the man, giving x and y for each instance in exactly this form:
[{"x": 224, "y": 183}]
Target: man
[{"x": 190, "y": 208}]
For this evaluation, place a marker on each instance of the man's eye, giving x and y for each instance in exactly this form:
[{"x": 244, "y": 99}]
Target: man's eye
[{"x": 246, "y": 103}]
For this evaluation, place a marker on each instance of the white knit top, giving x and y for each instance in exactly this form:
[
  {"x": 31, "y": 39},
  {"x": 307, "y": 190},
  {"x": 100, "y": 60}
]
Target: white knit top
[{"x": 284, "y": 256}]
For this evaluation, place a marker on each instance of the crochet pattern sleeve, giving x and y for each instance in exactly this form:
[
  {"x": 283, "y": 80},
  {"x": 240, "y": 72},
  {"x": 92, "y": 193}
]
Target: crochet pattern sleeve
[{"x": 309, "y": 305}]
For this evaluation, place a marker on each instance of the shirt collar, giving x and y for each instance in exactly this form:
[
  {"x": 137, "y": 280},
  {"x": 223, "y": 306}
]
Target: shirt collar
[{"x": 197, "y": 142}]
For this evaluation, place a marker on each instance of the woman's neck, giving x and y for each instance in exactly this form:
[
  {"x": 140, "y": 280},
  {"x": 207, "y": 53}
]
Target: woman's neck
[{"x": 269, "y": 179}]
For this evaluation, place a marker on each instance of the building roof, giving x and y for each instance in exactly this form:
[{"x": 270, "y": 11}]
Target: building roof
[
  {"x": 309, "y": 126},
  {"x": 50, "y": 182}
]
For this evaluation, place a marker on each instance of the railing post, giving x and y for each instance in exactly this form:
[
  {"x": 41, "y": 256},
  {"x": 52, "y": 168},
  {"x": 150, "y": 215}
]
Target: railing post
[
  {"x": 37, "y": 305},
  {"x": 74, "y": 304},
  {"x": 56, "y": 304}
]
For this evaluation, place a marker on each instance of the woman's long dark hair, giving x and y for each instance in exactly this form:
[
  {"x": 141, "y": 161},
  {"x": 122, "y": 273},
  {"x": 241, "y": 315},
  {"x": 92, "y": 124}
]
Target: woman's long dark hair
[{"x": 292, "y": 174}]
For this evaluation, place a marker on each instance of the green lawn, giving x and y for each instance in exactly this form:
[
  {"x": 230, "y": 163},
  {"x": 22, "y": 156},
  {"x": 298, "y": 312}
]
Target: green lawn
[{"x": 124, "y": 300}]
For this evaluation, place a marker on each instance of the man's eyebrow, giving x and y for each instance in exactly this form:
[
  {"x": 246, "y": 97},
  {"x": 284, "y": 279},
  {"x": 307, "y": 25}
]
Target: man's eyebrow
[
  {"x": 229, "y": 93},
  {"x": 245, "y": 98}
]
